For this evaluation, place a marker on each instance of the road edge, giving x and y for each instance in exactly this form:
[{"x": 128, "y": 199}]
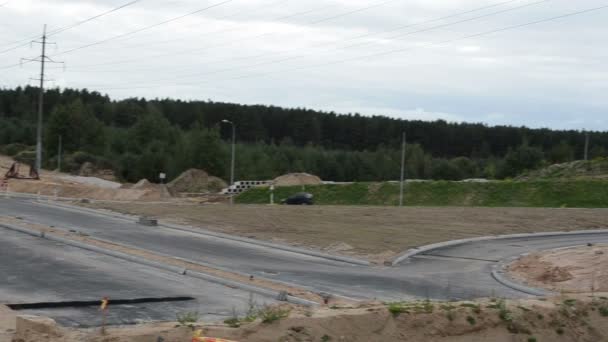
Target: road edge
[
  {"x": 423, "y": 249},
  {"x": 202, "y": 231}
]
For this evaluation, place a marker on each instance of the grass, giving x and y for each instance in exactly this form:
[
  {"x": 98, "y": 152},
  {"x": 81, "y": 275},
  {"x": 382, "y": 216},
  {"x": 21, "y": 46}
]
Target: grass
[{"x": 538, "y": 193}]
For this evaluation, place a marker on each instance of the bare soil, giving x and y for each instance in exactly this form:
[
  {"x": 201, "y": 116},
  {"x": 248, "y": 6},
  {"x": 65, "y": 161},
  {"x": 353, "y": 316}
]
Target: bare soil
[
  {"x": 520, "y": 321},
  {"x": 64, "y": 185},
  {"x": 572, "y": 270},
  {"x": 376, "y": 233}
]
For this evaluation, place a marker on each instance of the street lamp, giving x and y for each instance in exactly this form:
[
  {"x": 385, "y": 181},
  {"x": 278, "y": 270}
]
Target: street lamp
[{"x": 233, "y": 155}]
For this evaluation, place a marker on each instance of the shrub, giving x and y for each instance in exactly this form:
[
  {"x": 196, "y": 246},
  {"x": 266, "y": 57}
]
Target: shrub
[
  {"x": 270, "y": 314},
  {"x": 13, "y": 149},
  {"x": 26, "y": 157},
  {"x": 187, "y": 319}
]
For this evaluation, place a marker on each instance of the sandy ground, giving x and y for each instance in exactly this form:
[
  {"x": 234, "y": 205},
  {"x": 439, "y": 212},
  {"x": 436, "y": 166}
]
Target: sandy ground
[
  {"x": 7, "y": 324},
  {"x": 578, "y": 269},
  {"x": 64, "y": 185},
  {"x": 377, "y": 233},
  {"x": 558, "y": 320}
]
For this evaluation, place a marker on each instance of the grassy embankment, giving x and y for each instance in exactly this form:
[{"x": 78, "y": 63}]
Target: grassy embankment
[{"x": 538, "y": 193}]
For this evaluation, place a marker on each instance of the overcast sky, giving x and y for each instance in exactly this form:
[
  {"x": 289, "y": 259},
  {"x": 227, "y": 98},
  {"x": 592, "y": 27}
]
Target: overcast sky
[{"x": 340, "y": 55}]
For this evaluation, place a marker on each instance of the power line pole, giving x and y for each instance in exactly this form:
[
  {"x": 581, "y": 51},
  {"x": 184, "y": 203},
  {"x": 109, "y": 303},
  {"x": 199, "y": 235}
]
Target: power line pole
[
  {"x": 59, "y": 155},
  {"x": 43, "y": 59},
  {"x": 402, "y": 171},
  {"x": 586, "y": 146}
]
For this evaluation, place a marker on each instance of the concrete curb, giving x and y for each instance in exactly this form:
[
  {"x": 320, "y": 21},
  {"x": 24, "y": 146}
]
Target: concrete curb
[
  {"x": 500, "y": 275},
  {"x": 423, "y": 249},
  {"x": 166, "y": 267},
  {"x": 205, "y": 232}
]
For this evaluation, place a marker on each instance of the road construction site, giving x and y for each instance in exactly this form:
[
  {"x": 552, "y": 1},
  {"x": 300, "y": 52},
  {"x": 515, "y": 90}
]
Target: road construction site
[
  {"x": 156, "y": 256},
  {"x": 462, "y": 271}
]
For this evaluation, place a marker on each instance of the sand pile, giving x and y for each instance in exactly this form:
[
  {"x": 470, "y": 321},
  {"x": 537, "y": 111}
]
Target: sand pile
[
  {"x": 89, "y": 170},
  {"x": 293, "y": 179},
  {"x": 196, "y": 181},
  {"x": 580, "y": 269}
]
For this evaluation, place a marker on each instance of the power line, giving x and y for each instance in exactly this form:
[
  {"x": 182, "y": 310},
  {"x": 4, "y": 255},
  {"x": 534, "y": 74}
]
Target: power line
[
  {"x": 285, "y": 59},
  {"x": 320, "y": 44},
  {"x": 388, "y": 52},
  {"x": 144, "y": 28},
  {"x": 273, "y": 4},
  {"x": 116, "y": 9},
  {"x": 27, "y": 41},
  {"x": 281, "y": 18}
]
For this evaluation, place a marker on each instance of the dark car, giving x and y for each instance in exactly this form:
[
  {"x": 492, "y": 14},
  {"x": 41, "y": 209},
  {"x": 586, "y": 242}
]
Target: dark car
[{"x": 301, "y": 198}]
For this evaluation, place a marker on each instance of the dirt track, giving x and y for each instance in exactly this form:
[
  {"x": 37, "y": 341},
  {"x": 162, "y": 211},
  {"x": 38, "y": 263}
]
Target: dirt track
[{"x": 375, "y": 232}]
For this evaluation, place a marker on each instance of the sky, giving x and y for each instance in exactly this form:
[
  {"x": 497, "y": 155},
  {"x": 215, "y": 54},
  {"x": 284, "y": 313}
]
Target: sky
[{"x": 410, "y": 59}]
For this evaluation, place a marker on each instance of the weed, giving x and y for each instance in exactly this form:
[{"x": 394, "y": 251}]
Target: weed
[
  {"x": 449, "y": 311},
  {"x": 471, "y": 320},
  {"x": 569, "y": 302},
  {"x": 428, "y": 306},
  {"x": 397, "y": 309},
  {"x": 503, "y": 311},
  {"x": 532, "y": 339},
  {"x": 540, "y": 316},
  {"x": 325, "y": 338},
  {"x": 233, "y": 322},
  {"x": 187, "y": 319},
  {"x": 559, "y": 331},
  {"x": 270, "y": 314},
  {"x": 604, "y": 311}
]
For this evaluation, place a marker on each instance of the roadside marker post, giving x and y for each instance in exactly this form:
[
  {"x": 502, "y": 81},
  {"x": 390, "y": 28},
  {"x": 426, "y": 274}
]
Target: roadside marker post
[
  {"x": 272, "y": 194},
  {"x": 104, "y": 311}
]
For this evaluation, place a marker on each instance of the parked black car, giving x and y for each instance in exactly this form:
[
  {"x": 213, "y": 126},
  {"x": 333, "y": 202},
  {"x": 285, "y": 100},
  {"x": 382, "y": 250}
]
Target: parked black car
[{"x": 301, "y": 198}]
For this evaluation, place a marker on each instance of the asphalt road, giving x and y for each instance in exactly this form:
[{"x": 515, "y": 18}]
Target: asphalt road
[
  {"x": 459, "y": 272},
  {"x": 34, "y": 270}
]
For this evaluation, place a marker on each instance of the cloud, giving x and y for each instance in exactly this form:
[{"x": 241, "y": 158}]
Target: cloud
[{"x": 291, "y": 53}]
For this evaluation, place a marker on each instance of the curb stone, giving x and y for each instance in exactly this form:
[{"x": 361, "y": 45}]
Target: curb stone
[
  {"x": 205, "y": 232},
  {"x": 166, "y": 267},
  {"x": 500, "y": 275},
  {"x": 423, "y": 249}
]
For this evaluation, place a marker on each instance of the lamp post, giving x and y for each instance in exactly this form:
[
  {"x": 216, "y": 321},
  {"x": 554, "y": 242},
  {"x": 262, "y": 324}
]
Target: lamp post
[{"x": 233, "y": 155}]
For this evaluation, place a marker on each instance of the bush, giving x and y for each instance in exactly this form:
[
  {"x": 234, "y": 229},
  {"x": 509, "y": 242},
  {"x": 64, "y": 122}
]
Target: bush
[
  {"x": 26, "y": 157},
  {"x": 13, "y": 149}
]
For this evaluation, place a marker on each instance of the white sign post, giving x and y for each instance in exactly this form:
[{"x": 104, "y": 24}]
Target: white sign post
[{"x": 272, "y": 194}]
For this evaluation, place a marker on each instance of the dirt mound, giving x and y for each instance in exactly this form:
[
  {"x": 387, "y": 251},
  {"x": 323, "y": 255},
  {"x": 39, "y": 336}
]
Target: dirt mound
[
  {"x": 580, "y": 269},
  {"x": 64, "y": 185},
  {"x": 293, "y": 179},
  {"x": 89, "y": 170},
  {"x": 196, "y": 181},
  {"x": 144, "y": 184},
  {"x": 498, "y": 321}
]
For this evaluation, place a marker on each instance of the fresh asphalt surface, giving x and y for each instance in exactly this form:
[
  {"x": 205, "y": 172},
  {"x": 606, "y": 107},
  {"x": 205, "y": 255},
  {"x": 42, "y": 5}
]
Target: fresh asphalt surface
[
  {"x": 35, "y": 270},
  {"x": 458, "y": 272}
]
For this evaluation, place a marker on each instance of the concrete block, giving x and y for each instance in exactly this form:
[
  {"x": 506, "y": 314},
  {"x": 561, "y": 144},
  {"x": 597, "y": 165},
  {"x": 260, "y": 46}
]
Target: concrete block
[{"x": 147, "y": 221}]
